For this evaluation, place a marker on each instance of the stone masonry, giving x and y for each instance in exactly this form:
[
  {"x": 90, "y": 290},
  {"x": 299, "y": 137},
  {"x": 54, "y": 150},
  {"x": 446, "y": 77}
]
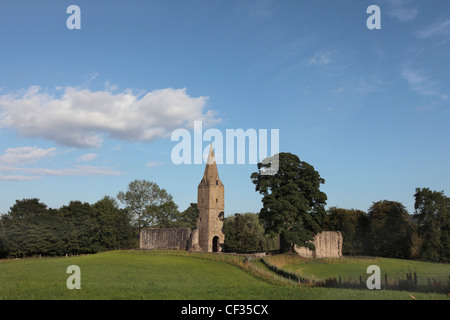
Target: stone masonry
[
  {"x": 328, "y": 245},
  {"x": 211, "y": 205},
  {"x": 164, "y": 238}
]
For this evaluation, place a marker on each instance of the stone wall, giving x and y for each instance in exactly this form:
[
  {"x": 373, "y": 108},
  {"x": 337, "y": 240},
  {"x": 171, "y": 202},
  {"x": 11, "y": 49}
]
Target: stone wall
[
  {"x": 193, "y": 241},
  {"x": 328, "y": 245},
  {"x": 163, "y": 239}
]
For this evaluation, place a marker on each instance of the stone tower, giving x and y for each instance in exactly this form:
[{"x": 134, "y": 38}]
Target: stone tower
[{"x": 211, "y": 205}]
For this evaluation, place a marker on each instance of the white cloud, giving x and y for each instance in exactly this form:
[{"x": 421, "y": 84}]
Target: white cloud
[
  {"x": 440, "y": 28},
  {"x": 419, "y": 82},
  {"x": 22, "y": 155},
  {"x": 424, "y": 107},
  {"x": 111, "y": 87},
  {"x": 321, "y": 59},
  {"x": 82, "y": 118},
  {"x": 13, "y": 162},
  {"x": 29, "y": 174},
  {"x": 429, "y": 89},
  {"x": 260, "y": 8},
  {"x": 338, "y": 90},
  {"x": 18, "y": 178},
  {"x": 76, "y": 171},
  {"x": 87, "y": 157},
  {"x": 152, "y": 164},
  {"x": 402, "y": 10}
]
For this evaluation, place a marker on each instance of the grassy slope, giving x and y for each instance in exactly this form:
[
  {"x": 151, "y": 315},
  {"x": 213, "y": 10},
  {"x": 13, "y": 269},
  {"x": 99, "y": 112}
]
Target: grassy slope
[
  {"x": 158, "y": 275},
  {"x": 352, "y": 268}
]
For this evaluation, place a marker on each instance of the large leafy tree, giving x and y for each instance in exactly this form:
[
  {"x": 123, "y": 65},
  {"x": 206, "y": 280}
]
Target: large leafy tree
[
  {"x": 84, "y": 230},
  {"x": 23, "y": 235},
  {"x": 432, "y": 211},
  {"x": 389, "y": 230},
  {"x": 293, "y": 204},
  {"x": 115, "y": 230},
  {"x": 140, "y": 196},
  {"x": 244, "y": 232},
  {"x": 164, "y": 215}
]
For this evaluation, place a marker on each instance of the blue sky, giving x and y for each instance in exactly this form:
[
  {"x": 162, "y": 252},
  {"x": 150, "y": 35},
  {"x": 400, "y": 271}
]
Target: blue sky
[{"x": 85, "y": 112}]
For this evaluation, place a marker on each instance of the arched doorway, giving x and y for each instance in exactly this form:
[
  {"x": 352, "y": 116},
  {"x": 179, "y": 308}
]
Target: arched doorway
[{"x": 215, "y": 244}]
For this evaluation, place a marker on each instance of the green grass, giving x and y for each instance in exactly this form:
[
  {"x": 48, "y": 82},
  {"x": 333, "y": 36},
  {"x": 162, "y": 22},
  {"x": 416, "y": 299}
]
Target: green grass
[
  {"x": 354, "y": 267},
  {"x": 162, "y": 275}
]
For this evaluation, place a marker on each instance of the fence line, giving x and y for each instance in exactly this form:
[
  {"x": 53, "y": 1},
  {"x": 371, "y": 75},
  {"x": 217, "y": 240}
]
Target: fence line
[{"x": 409, "y": 283}]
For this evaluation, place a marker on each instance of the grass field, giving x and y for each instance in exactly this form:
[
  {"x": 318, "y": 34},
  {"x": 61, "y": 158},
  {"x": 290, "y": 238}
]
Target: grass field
[
  {"x": 353, "y": 267},
  {"x": 167, "y": 275}
]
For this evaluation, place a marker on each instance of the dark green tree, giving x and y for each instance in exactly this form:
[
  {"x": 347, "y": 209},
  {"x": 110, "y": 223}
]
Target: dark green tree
[
  {"x": 164, "y": 215},
  {"x": 353, "y": 225},
  {"x": 83, "y": 227},
  {"x": 245, "y": 233},
  {"x": 54, "y": 232},
  {"x": 293, "y": 204},
  {"x": 23, "y": 237},
  {"x": 31, "y": 229},
  {"x": 115, "y": 230},
  {"x": 3, "y": 246},
  {"x": 432, "y": 211},
  {"x": 188, "y": 218},
  {"x": 389, "y": 230}
]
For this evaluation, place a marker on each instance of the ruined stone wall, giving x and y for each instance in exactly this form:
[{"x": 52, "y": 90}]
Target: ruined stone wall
[
  {"x": 163, "y": 239},
  {"x": 304, "y": 252},
  {"x": 328, "y": 245},
  {"x": 193, "y": 241}
]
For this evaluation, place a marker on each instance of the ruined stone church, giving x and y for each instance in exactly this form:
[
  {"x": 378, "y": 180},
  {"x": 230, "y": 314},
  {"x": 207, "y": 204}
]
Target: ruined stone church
[{"x": 208, "y": 236}]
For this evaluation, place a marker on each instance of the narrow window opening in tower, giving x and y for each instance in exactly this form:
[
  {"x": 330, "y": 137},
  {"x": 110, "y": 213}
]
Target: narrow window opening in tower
[
  {"x": 217, "y": 182},
  {"x": 217, "y": 200}
]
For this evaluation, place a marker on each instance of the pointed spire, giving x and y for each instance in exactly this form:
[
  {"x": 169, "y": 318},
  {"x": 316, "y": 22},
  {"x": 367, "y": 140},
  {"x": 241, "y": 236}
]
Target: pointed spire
[
  {"x": 211, "y": 157},
  {"x": 211, "y": 175}
]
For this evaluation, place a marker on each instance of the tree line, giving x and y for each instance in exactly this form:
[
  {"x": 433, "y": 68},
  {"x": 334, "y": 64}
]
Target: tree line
[
  {"x": 385, "y": 230},
  {"x": 293, "y": 211},
  {"x": 294, "y": 208},
  {"x": 388, "y": 230},
  {"x": 30, "y": 228}
]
